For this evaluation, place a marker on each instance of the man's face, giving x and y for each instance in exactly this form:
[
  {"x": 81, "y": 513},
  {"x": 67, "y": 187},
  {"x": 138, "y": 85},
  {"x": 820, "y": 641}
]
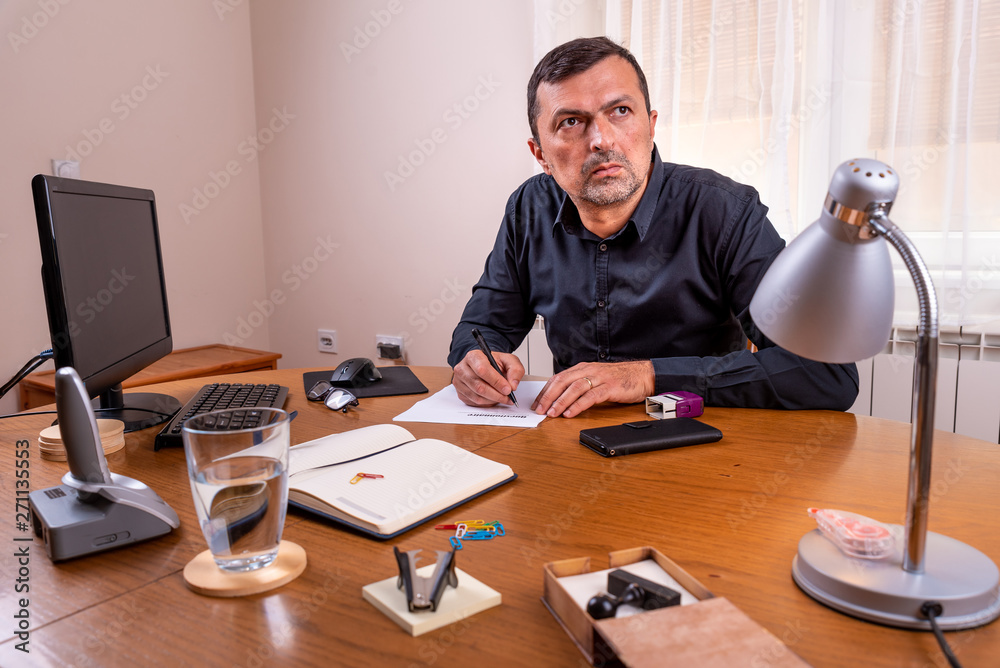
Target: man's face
[{"x": 594, "y": 136}]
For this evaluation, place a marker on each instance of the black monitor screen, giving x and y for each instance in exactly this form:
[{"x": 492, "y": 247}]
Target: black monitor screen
[
  {"x": 103, "y": 278},
  {"x": 110, "y": 285}
]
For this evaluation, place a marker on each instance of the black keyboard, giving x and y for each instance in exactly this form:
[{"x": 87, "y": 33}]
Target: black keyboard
[{"x": 239, "y": 398}]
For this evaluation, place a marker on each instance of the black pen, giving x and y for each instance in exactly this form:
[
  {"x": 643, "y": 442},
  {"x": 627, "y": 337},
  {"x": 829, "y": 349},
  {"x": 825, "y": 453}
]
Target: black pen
[{"x": 485, "y": 347}]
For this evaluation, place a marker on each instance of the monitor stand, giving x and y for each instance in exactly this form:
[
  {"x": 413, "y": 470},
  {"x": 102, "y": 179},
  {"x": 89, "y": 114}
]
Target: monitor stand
[{"x": 138, "y": 410}]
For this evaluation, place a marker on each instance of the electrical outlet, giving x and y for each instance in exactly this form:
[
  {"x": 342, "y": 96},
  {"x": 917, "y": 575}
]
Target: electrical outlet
[
  {"x": 69, "y": 169},
  {"x": 389, "y": 347},
  {"x": 326, "y": 340}
]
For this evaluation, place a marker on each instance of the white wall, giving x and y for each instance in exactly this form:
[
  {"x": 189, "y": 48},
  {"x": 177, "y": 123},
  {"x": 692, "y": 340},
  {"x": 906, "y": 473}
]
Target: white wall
[
  {"x": 370, "y": 84},
  {"x": 406, "y": 257},
  {"x": 188, "y": 78}
]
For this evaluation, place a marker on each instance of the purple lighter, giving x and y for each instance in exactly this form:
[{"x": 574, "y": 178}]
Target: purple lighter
[{"x": 674, "y": 404}]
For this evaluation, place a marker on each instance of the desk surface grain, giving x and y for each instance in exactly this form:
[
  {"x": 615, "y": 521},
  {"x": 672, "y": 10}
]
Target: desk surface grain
[{"x": 730, "y": 513}]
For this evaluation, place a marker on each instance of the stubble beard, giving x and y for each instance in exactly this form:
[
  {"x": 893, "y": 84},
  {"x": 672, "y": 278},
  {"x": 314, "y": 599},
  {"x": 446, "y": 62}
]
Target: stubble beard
[{"x": 603, "y": 191}]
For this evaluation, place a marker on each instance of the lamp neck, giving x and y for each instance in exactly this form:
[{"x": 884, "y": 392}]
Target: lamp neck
[
  {"x": 926, "y": 296},
  {"x": 924, "y": 390}
]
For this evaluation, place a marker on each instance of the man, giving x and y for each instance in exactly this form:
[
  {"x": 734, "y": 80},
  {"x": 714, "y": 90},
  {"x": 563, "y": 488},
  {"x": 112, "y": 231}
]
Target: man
[{"x": 643, "y": 270}]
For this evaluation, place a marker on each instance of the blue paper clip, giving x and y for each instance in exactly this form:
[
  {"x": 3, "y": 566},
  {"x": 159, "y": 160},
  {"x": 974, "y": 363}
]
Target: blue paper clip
[
  {"x": 479, "y": 535},
  {"x": 455, "y": 542}
]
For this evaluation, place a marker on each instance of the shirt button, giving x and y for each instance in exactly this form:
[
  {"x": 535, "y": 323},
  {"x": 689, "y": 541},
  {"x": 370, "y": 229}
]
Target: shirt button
[
  {"x": 601, "y": 303},
  {"x": 603, "y": 247},
  {"x": 603, "y": 355}
]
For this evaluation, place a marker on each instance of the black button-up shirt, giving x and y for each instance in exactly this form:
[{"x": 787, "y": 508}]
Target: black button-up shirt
[{"x": 673, "y": 285}]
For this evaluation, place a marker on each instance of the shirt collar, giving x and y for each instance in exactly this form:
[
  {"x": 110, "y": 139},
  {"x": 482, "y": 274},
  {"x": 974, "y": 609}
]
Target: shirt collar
[{"x": 569, "y": 218}]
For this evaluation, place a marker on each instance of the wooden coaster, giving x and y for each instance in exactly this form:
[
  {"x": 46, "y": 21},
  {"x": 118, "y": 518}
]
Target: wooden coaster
[
  {"x": 112, "y": 432},
  {"x": 203, "y": 576}
]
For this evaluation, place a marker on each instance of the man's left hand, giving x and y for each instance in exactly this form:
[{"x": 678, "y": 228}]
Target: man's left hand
[{"x": 576, "y": 389}]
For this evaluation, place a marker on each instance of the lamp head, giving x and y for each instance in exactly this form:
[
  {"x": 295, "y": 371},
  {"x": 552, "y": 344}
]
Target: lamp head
[{"x": 829, "y": 296}]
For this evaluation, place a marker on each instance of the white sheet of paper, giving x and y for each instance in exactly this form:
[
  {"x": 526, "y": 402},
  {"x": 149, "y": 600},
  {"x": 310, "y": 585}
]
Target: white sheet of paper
[{"x": 445, "y": 407}]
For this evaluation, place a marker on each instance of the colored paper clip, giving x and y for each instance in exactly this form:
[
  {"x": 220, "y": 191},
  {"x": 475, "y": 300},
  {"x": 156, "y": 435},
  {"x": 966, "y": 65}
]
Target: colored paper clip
[
  {"x": 479, "y": 535},
  {"x": 493, "y": 527},
  {"x": 472, "y": 530},
  {"x": 361, "y": 476}
]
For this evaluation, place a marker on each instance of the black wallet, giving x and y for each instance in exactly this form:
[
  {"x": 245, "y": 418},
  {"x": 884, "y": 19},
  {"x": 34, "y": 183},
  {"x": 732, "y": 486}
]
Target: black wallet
[{"x": 648, "y": 435}]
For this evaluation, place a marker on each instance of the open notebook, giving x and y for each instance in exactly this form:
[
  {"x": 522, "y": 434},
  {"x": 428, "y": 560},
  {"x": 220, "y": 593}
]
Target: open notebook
[{"x": 420, "y": 479}]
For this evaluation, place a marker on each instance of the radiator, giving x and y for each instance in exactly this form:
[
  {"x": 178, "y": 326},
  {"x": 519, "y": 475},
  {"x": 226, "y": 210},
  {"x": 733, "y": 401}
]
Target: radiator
[
  {"x": 534, "y": 352},
  {"x": 968, "y": 382}
]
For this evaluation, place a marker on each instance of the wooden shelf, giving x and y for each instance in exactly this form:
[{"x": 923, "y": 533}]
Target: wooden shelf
[{"x": 38, "y": 389}]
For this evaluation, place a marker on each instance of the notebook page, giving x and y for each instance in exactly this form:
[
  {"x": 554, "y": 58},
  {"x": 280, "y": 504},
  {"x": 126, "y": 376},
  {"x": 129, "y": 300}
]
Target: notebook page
[
  {"x": 420, "y": 479},
  {"x": 344, "y": 446}
]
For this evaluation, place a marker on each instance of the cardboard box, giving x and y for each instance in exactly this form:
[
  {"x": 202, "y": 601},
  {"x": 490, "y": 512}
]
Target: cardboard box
[{"x": 708, "y": 631}]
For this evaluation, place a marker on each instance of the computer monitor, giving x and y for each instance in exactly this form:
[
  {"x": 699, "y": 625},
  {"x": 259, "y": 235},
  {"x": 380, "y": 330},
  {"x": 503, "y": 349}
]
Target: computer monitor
[{"x": 105, "y": 296}]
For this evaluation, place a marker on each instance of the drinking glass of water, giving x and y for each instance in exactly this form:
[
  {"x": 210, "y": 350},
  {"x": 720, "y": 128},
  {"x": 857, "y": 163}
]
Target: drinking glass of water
[{"x": 238, "y": 466}]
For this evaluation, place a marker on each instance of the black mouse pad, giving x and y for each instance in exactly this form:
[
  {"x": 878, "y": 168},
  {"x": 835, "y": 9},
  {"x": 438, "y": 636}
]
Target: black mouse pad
[{"x": 395, "y": 380}]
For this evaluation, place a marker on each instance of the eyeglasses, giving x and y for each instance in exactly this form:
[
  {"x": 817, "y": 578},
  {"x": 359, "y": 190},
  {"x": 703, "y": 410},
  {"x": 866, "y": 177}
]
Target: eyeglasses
[{"x": 336, "y": 398}]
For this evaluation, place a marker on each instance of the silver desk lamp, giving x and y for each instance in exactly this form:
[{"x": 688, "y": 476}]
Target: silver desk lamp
[{"x": 829, "y": 297}]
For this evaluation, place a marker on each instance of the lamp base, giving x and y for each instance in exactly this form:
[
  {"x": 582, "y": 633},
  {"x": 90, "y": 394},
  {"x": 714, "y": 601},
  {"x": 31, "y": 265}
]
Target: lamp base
[{"x": 961, "y": 578}]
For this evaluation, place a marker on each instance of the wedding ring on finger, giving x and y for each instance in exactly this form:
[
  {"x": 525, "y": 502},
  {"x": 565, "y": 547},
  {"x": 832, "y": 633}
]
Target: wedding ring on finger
[{"x": 590, "y": 382}]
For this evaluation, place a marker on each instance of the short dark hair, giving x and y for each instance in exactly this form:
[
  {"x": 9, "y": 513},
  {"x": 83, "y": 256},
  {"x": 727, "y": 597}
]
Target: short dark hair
[{"x": 574, "y": 57}]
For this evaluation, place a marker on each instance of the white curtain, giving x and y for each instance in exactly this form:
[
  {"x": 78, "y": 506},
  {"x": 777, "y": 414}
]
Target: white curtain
[{"x": 777, "y": 93}]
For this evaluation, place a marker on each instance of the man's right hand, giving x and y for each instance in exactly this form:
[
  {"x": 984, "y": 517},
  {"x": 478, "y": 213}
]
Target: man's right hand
[{"x": 478, "y": 384}]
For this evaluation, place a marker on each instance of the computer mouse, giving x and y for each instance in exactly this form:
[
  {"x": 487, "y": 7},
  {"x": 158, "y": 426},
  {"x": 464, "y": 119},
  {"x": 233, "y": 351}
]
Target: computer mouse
[{"x": 355, "y": 372}]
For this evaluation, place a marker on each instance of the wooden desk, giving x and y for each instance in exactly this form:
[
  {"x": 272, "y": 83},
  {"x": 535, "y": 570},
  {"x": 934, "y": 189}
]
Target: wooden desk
[
  {"x": 730, "y": 513},
  {"x": 39, "y": 389}
]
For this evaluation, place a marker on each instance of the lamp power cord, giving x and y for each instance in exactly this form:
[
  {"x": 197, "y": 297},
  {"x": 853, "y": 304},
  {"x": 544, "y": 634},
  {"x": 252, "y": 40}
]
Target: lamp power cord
[{"x": 932, "y": 610}]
